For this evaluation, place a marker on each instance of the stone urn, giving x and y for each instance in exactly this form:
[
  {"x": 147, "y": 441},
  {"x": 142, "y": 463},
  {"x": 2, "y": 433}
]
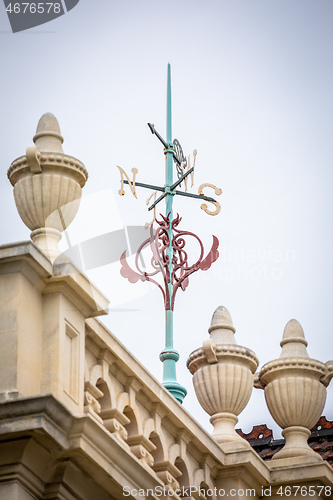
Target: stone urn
[
  {"x": 223, "y": 376},
  {"x": 47, "y": 186},
  {"x": 295, "y": 392}
]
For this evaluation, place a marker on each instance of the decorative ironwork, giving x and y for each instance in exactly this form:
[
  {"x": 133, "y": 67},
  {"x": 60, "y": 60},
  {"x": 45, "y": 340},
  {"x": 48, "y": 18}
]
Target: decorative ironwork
[
  {"x": 159, "y": 242},
  {"x": 179, "y": 158},
  {"x": 167, "y": 244}
]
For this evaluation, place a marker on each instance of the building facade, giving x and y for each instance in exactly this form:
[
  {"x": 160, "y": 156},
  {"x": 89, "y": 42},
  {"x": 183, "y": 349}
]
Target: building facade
[{"x": 82, "y": 419}]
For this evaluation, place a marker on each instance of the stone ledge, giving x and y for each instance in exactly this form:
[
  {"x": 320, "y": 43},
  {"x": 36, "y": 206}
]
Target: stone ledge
[
  {"x": 28, "y": 252},
  {"x": 95, "y": 451},
  {"x": 68, "y": 279},
  {"x": 26, "y": 258},
  {"x": 300, "y": 470}
]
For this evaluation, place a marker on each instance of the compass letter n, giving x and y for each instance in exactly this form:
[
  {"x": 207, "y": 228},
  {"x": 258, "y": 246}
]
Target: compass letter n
[{"x": 131, "y": 184}]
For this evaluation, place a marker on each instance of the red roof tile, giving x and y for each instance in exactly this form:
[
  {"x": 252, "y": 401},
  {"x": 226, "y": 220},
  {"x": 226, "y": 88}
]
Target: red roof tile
[{"x": 262, "y": 441}]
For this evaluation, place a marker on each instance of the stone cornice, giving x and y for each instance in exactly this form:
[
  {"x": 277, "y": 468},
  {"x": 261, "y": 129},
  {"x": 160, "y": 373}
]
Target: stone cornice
[
  {"x": 36, "y": 413},
  {"x": 95, "y": 450},
  {"x": 68, "y": 279},
  {"x": 27, "y": 259},
  {"x": 64, "y": 276}
]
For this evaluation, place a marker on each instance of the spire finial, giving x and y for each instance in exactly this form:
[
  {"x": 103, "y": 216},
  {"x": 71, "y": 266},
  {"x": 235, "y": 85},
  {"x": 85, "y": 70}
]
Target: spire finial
[
  {"x": 48, "y": 137},
  {"x": 222, "y": 329},
  {"x": 168, "y": 241},
  {"x": 169, "y": 113},
  {"x": 293, "y": 342}
]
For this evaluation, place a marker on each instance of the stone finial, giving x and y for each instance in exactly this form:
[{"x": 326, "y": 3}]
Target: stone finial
[
  {"x": 223, "y": 376},
  {"x": 295, "y": 392},
  {"x": 48, "y": 137},
  {"x": 221, "y": 328},
  {"x": 293, "y": 342},
  {"x": 47, "y": 186}
]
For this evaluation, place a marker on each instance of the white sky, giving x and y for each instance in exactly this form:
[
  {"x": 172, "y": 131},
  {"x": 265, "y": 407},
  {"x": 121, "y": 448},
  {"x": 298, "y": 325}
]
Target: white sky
[{"x": 252, "y": 92}]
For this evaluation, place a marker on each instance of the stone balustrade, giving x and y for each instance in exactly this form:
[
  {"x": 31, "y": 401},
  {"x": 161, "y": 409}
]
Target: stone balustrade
[{"x": 138, "y": 411}]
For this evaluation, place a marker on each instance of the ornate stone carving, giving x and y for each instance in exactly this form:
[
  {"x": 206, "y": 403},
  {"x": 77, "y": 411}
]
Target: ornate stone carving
[
  {"x": 47, "y": 186},
  {"x": 223, "y": 377},
  {"x": 115, "y": 421},
  {"x": 91, "y": 404},
  {"x": 167, "y": 472},
  {"x": 141, "y": 447},
  {"x": 295, "y": 391}
]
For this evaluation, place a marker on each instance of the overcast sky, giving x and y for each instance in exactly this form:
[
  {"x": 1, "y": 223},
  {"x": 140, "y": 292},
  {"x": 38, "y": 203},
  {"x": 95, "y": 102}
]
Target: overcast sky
[{"x": 252, "y": 92}]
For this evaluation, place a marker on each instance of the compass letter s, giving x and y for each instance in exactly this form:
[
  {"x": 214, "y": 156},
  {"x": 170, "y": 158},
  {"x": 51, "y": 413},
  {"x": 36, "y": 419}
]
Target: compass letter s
[
  {"x": 131, "y": 184},
  {"x": 204, "y": 207}
]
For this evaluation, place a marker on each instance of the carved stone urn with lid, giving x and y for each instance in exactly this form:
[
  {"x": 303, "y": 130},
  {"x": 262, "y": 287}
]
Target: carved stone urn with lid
[
  {"x": 295, "y": 392},
  {"x": 47, "y": 186},
  {"x": 223, "y": 376}
]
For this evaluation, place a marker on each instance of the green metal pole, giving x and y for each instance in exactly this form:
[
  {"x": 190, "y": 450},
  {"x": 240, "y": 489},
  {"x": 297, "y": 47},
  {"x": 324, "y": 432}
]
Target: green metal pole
[{"x": 169, "y": 356}]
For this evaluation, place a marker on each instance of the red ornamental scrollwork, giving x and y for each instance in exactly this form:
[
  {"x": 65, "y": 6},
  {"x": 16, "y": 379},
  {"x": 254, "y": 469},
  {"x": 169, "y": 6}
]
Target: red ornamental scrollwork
[{"x": 175, "y": 274}]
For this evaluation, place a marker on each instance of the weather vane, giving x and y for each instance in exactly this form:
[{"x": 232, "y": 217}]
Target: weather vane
[{"x": 167, "y": 243}]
